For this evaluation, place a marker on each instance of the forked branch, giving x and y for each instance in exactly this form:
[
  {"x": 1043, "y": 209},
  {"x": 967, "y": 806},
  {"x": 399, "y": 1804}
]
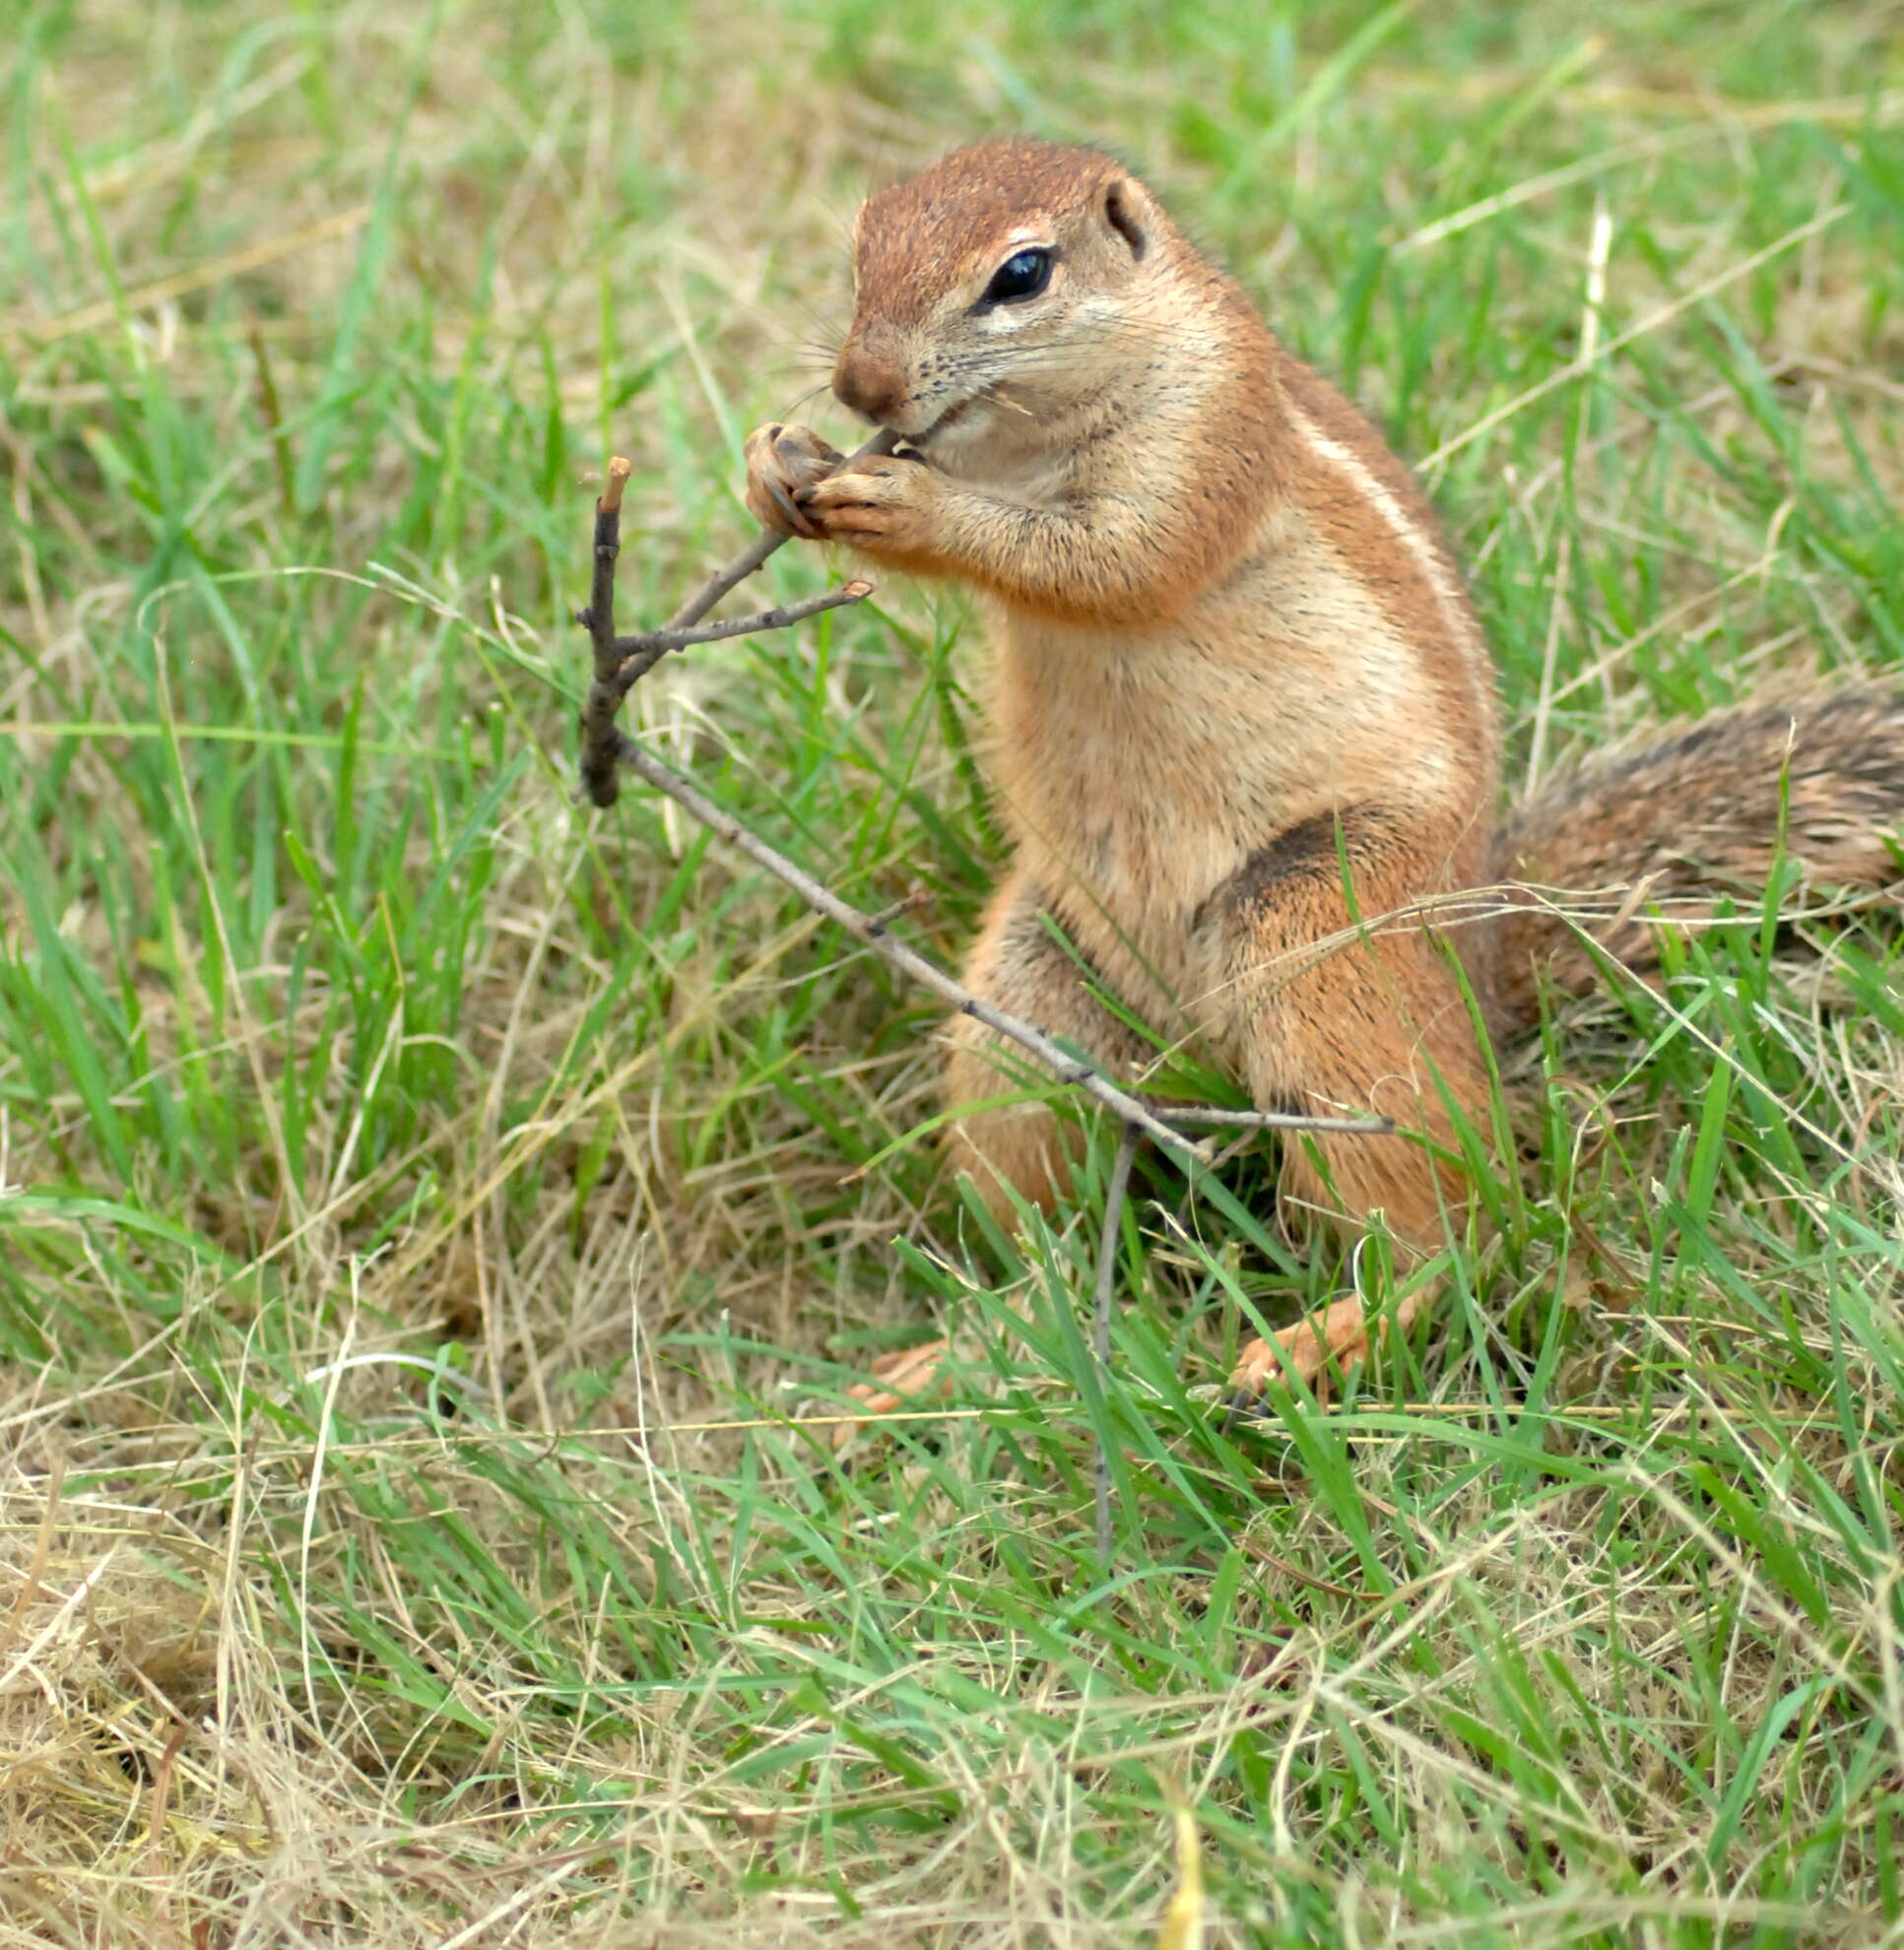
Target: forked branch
[{"x": 621, "y": 662}]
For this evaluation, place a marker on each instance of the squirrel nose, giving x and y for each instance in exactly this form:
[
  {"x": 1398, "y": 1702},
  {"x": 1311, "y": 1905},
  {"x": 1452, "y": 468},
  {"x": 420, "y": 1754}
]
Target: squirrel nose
[{"x": 868, "y": 384}]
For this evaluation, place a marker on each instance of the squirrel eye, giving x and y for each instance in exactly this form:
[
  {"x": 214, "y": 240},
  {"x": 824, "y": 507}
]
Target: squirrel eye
[{"x": 1022, "y": 275}]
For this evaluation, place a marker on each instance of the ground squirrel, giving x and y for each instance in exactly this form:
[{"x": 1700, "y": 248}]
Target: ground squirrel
[{"x": 1247, "y": 741}]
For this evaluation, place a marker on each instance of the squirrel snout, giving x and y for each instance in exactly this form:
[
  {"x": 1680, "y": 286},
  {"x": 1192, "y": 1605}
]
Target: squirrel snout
[{"x": 869, "y": 384}]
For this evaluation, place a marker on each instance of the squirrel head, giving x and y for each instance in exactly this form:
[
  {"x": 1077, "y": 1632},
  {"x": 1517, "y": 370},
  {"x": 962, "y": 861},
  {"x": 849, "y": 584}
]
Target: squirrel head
[{"x": 998, "y": 287}]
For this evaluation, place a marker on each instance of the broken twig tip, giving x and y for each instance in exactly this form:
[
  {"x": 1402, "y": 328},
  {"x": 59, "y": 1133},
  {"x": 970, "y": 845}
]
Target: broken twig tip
[
  {"x": 619, "y": 471},
  {"x": 857, "y": 591}
]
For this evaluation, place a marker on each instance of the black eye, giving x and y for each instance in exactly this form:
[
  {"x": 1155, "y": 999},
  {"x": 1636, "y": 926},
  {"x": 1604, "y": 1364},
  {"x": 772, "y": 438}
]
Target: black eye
[{"x": 1022, "y": 275}]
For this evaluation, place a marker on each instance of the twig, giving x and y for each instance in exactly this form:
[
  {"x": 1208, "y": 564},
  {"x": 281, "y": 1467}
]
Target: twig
[
  {"x": 622, "y": 663},
  {"x": 598, "y": 710},
  {"x": 909, "y": 902},
  {"x": 1106, "y": 1283},
  {"x": 640, "y": 654},
  {"x": 1068, "y": 1069},
  {"x": 1254, "y": 1120}
]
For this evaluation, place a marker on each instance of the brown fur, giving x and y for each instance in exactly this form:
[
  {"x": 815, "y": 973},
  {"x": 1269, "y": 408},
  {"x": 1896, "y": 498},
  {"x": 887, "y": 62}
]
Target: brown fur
[
  {"x": 1246, "y": 729},
  {"x": 1817, "y": 779}
]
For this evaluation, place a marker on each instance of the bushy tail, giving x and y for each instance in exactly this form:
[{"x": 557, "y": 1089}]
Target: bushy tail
[{"x": 1665, "y": 828}]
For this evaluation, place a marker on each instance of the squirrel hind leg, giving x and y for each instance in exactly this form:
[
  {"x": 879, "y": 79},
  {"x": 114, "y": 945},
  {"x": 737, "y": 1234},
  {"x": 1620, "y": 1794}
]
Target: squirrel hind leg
[
  {"x": 1341, "y": 1005},
  {"x": 1377, "y": 1025},
  {"x": 1019, "y": 965},
  {"x": 1409, "y": 1063},
  {"x": 1344, "y": 1182}
]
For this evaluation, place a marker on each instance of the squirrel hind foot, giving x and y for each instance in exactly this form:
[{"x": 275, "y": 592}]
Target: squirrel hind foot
[
  {"x": 1319, "y": 1348},
  {"x": 903, "y": 1378}
]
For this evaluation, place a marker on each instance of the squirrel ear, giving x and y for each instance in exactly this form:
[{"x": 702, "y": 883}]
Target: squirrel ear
[{"x": 1126, "y": 211}]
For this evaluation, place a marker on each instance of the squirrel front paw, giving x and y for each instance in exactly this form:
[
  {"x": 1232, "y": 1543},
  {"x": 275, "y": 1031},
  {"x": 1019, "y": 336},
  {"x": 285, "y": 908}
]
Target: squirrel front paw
[
  {"x": 782, "y": 463},
  {"x": 884, "y": 506}
]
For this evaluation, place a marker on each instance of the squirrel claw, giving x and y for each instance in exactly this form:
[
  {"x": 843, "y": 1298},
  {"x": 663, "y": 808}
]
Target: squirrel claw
[
  {"x": 1241, "y": 1406},
  {"x": 782, "y": 464},
  {"x": 789, "y": 510}
]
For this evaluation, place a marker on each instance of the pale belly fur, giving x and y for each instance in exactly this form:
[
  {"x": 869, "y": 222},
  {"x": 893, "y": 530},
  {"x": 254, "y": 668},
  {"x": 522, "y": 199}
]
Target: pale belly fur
[{"x": 1138, "y": 774}]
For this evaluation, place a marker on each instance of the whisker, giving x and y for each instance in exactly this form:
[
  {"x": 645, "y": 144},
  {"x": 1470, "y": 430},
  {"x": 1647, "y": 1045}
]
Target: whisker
[{"x": 811, "y": 393}]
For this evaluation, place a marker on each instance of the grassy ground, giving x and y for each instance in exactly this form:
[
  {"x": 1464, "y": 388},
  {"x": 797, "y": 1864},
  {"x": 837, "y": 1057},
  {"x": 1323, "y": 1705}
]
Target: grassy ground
[{"x": 427, "y": 1205}]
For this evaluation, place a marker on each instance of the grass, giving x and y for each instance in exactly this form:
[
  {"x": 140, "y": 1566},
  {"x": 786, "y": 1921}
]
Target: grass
[{"x": 429, "y": 1206}]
